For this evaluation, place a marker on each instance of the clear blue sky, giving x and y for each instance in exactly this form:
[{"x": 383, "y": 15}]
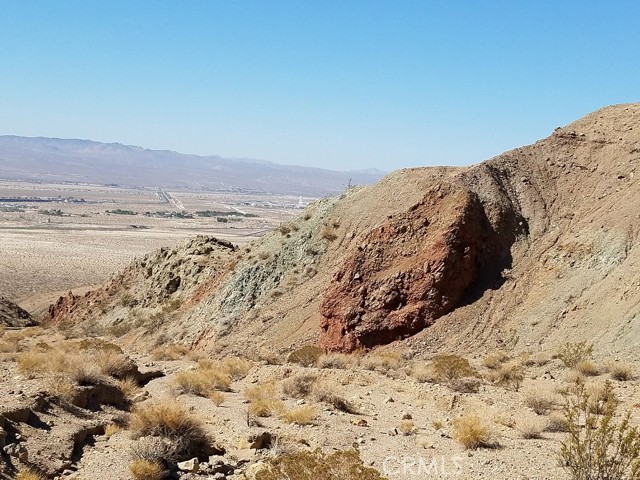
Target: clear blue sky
[{"x": 341, "y": 84}]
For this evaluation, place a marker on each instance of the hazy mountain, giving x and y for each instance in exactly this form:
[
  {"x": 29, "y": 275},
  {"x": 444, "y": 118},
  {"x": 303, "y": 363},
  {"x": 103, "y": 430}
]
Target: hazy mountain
[{"x": 54, "y": 159}]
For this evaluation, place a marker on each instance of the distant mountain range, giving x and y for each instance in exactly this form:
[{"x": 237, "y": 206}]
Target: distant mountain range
[{"x": 62, "y": 160}]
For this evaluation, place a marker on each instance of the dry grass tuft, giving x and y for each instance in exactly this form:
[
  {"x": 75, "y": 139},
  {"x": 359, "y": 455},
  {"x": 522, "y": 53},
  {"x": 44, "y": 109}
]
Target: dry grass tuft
[
  {"x": 29, "y": 474},
  {"x": 510, "y": 375},
  {"x": 146, "y": 470},
  {"x": 472, "y": 433},
  {"x": 304, "y": 415},
  {"x": 217, "y": 398},
  {"x": 171, "y": 421},
  {"x": 531, "y": 428},
  {"x": 61, "y": 388},
  {"x": 496, "y": 359},
  {"x": 623, "y": 372},
  {"x": 324, "y": 392},
  {"x": 237, "y": 368},
  {"x": 129, "y": 387},
  {"x": 112, "y": 429},
  {"x": 299, "y": 386},
  {"x": 202, "y": 381},
  {"x": 337, "y": 361},
  {"x": 382, "y": 361},
  {"x": 263, "y": 400},
  {"x": 170, "y": 352},
  {"x": 557, "y": 422},
  {"x": 539, "y": 401},
  {"x": 588, "y": 368},
  {"x": 407, "y": 427}
]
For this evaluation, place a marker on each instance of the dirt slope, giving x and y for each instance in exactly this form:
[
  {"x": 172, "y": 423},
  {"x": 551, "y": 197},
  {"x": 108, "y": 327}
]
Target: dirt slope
[{"x": 529, "y": 249}]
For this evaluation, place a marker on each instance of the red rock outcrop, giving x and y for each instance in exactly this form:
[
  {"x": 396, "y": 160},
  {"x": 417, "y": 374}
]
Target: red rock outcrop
[{"x": 405, "y": 273}]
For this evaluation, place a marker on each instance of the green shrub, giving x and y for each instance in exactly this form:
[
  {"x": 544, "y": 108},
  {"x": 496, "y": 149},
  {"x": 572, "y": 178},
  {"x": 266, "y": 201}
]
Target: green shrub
[
  {"x": 598, "y": 447},
  {"x": 573, "y": 354}
]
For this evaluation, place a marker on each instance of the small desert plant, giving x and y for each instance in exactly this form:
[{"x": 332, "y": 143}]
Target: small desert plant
[
  {"x": 304, "y": 415},
  {"x": 112, "y": 429},
  {"x": 29, "y": 474},
  {"x": 263, "y": 400},
  {"x": 170, "y": 352},
  {"x": 171, "y": 421},
  {"x": 465, "y": 385},
  {"x": 407, "y": 427},
  {"x": 31, "y": 363},
  {"x": 539, "y": 401},
  {"x": 622, "y": 372},
  {"x": 572, "y": 354},
  {"x": 299, "y": 386},
  {"x": 557, "y": 422},
  {"x": 422, "y": 373},
  {"x": 217, "y": 398},
  {"x": 510, "y": 375},
  {"x": 61, "y": 388},
  {"x": 472, "y": 433},
  {"x": 343, "y": 465},
  {"x": 495, "y": 359},
  {"x": 328, "y": 234},
  {"x": 202, "y": 381},
  {"x": 437, "y": 424},
  {"x": 337, "y": 361},
  {"x": 324, "y": 393},
  {"x": 600, "y": 395},
  {"x": 599, "y": 448},
  {"x": 531, "y": 428},
  {"x": 588, "y": 368},
  {"x": 146, "y": 470},
  {"x": 382, "y": 361},
  {"x": 451, "y": 367},
  {"x": 236, "y": 367},
  {"x": 128, "y": 386},
  {"x": 306, "y": 356}
]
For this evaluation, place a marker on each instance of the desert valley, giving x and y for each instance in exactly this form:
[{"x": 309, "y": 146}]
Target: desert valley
[{"x": 474, "y": 322}]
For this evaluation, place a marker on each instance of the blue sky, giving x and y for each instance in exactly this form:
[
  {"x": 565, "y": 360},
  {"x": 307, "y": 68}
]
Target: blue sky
[{"x": 340, "y": 84}]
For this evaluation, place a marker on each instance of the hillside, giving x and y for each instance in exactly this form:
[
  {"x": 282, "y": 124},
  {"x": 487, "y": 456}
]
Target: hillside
[
  {"x": 526, "y": 250},
  {"x": 85, "y": 161}
]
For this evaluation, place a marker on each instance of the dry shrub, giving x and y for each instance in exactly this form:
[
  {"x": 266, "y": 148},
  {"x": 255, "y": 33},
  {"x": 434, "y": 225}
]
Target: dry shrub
[
  {"x": 170, "y": 420},
  {"x": 112, "y": 429},
  {"x": 510, "y": 375},
  {"x": 217, "y": 398},
  {"x": 337, "y": 361},
  {"x": 343, "y": 465},
  {"x": 557, "y": 422},
  {"x": 146, "y": 470},
  {"x": 573, "y": 354},
  {"x": 407, "y": 427},
  {"x": 129, "y": 387},
  {"x": 472, "y": 433},
  {"x": 539, "y": 401},
  {"x": 299, "y": 386},
  {"x": 61, "y": 388},
  {"x": 382, "y": 361},
  {"x": 304, "y": 415},
  {"x": 588, "y": 368},
  {"x": 28, "y": 474},
  {"x": 599, "y": 447},
  {"x": 495, "y": 359},
  {"x": 325, "y": 393},
  {"x": 306, "y": 356},
  {"x": 96, "y": 344},
  {"x": 31, "y": 363},
  {"x": 202, "y": 381},
  {"x": 451, "y": 367},
  {"x": 113, "y": 364},
  {"x": 465, "y": 385},
  {"x": 531, "y": 428},
  {"x": 170, "y": 352},
  {"x": 328, "y": 234},
  {"x": 237, "y": 368},
  {"x": 2, "y": 330},
  {"x": 422, "y": 373},
  {"x": 623, "y": 372},
  {"x": 600, "y": 396},
  {"x": 437, "y": 424},
  {"x": 263, "y": 400}
]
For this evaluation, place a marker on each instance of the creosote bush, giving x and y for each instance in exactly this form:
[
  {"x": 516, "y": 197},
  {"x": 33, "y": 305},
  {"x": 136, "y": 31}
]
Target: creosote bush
[
  {"x": 451, "y": 367},
  {"x": 573, "y": 354},
  {"x": 306, "y": 356},
  {"x": 598, "y": 447},
  {"x": 510, "y": 376}
]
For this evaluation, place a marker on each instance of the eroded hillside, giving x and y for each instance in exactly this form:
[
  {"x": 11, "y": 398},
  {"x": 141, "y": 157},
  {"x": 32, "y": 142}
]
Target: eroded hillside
[{"x": 533, "y": 247}]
